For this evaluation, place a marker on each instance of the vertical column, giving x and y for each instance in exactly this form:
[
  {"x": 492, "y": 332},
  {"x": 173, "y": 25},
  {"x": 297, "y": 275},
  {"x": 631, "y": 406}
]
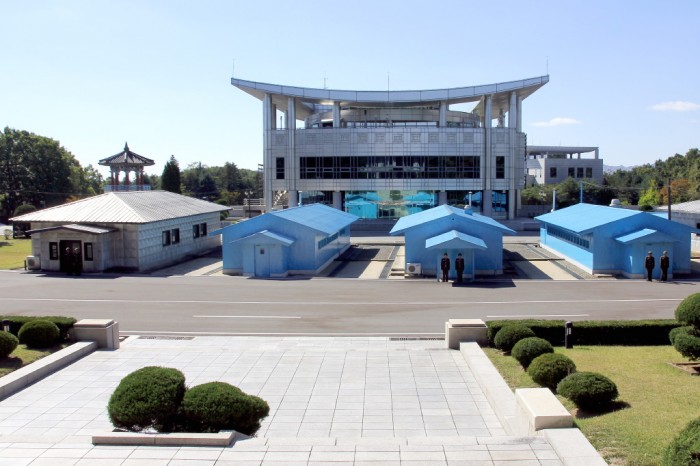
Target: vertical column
[
  {"x": 512, "y": 111},
  {"x": 442, "y": 197},
  {"x": 487, "y": 206},
  {"x": 516, "y": 168},
  {"x": 336, "y": 114},
  {"x": 293, "y": 195},
  {"x": 443, "y": 114},
  {"x": 291, "y": 168},
  {"x": 268, "y": 163},
  {"x": 519, "y": 111},
  {"x": 337, "y": 200}
]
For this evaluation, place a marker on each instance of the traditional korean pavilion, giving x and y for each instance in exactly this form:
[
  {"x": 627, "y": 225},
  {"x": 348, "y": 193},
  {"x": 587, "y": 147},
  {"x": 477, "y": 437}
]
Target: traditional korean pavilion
[{"x": 127, "y": 161}]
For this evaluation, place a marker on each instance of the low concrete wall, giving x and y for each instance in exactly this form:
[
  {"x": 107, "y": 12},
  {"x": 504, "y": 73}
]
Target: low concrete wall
[
  {"x": 219, "y": 439},
  {"x": 21, "y": 378},
  {"x": 465, "y": 330},
  {"x": 538, "y": 409}
]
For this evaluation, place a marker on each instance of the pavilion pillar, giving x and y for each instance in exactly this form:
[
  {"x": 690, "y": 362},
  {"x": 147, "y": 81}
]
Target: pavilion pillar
[
  {"x": 337, "y": 200},
  {"x": 443, "y": 114}
]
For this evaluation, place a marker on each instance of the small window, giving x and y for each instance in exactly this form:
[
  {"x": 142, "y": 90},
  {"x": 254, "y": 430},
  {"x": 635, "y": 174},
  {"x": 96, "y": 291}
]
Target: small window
[
  {"x": 166, "y": 238},
  {"x": 175, "y": 235},
  {"x": 195, "y": 231},
  {"x": 552, "y": 172},
  {"x": 589, "y": 172},
  {"x": 53, "y": 251},
  {"x": 279, "y": 168},
  {"x": 88, "y": 252},
  {"x": 203, "y": 229},
  {"x": 572, "y": 172},
  {"x": 500, "y": 167},
  {"x": 579, "y": 172}
]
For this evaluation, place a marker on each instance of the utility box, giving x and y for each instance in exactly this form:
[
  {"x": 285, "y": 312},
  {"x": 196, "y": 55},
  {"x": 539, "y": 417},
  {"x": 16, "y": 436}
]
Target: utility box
[{"x": 104, "y": 331}]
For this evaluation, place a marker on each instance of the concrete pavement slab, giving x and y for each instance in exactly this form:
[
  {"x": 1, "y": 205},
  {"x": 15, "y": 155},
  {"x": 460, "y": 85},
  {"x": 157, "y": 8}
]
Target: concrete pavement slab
[{"x": 335, "y": 400}]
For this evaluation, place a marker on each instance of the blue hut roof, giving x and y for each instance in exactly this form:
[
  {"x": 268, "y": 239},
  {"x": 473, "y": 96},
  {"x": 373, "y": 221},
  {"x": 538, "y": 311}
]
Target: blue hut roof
[
  {"x": 318, "y": 217},
  {"x": 268, "y": 237},
  {"x": 442, "y": 211},
  {"x": 646, "y": 235},
  {"x": 583, "y": 217},
  {"x": 454, "y": 240}
]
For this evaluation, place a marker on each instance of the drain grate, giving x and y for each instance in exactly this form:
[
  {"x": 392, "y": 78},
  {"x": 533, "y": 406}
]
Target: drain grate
[
  {"x": 416, "y": 339},
  {"x": 163, "y": 337}
]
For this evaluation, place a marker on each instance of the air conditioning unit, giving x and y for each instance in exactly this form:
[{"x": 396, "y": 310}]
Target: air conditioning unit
[
  {"x": 33, "y": 263},
  {"x": 413, "y": 268}
]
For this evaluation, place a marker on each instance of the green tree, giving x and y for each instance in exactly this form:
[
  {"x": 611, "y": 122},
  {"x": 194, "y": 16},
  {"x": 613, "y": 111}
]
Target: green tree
[
  {"x": 170, "y": 179},
  {"x": 650, "y": 197},
  {"x": 35, "y": 169}
]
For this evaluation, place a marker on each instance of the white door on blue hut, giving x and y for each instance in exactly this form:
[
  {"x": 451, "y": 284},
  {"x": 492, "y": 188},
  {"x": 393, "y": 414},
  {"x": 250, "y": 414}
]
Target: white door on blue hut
[{"x": 262, "y": 261}]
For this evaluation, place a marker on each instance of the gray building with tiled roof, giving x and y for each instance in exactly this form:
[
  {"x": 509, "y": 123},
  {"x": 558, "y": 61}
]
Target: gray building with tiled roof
[{"x": 125, "y": 231}]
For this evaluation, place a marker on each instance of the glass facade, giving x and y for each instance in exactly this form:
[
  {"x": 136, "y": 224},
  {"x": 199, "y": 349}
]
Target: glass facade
[{"x": 388, "y": 204}]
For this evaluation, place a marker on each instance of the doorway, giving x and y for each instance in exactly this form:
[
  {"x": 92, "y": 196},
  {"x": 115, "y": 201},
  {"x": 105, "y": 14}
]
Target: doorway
[{"x": 71, "y": 256}]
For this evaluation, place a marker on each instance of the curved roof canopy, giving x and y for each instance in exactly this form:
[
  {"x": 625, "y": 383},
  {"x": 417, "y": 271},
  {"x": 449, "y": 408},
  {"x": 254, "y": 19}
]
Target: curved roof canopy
[
  {"x": 127, "y": 157},
  {"x": 307, "y": 97}
]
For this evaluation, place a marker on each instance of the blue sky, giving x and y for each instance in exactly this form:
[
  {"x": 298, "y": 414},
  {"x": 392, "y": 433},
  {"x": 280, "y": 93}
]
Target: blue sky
[{"x": 94, "y": 74}]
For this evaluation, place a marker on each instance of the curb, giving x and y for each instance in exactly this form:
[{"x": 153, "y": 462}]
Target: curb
[
  {"x": 25, "y": 376},
  {"x": 219, "y": 439}
]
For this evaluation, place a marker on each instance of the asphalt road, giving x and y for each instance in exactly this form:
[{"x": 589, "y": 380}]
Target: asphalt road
[{"x": 225, "y": 305}]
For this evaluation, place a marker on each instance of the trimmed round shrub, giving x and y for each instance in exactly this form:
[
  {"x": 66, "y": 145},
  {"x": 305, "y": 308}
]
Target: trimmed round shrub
[
  {"x": 588, "y": 390},
  {"x": 688, "y": 311},
  {"x": 39, "y": 334},
  {"x": 529, "y": 348},
  {"x": 688, "y": 345},
  {"x": 8, "y": 343},
  {"x": 147, "y": 398},
  {"x": 549, "y": 369},
  {"x": 684, "y": 450},
  {"x": 687, "y": 330},
  {"x": 509, "y": 335},
  {"x": 215, "y": 406}
]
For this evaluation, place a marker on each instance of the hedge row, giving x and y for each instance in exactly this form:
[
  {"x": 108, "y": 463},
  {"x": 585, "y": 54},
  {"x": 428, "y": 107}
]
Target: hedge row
[
  {"x": 596, "y": 332},
  {"x": 64, "y": 324}
]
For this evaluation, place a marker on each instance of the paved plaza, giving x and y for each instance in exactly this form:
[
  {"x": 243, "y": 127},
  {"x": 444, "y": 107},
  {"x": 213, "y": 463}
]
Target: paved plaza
[{"x": 335, "y": 401}]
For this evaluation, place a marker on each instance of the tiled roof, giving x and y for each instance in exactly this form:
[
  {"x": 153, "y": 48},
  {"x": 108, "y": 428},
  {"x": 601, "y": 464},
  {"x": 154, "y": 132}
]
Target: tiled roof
[
  {"x": 127, "y": 157},
  {"x": 124, "y": 207}
]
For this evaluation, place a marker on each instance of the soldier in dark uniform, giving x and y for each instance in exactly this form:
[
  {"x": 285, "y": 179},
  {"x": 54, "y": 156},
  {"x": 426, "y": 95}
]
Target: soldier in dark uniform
[
  {"x": 77, "y": 261},
  {"x": 445, "y": 267},
  {"x": 459, "y": 267},
  {"x": 649, "y": 264},
  {"x": 664, "y": 263}
]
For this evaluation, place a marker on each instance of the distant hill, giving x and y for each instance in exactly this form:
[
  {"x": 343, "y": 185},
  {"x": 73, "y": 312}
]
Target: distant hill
[{"x": 614, "y": 168}]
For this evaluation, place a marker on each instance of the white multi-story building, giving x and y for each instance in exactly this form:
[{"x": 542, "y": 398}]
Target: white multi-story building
[
  {"x": 554, "y": 164},
  {"x": 386, "y": 154}
]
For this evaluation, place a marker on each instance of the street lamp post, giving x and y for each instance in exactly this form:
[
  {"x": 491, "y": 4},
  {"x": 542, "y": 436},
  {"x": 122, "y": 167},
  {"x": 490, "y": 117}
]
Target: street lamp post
[{"x": 248, "y": 194}]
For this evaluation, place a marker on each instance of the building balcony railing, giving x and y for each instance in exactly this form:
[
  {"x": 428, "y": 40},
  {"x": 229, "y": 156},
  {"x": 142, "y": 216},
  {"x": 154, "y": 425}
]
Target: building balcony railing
[{"x": 127, "y": 187}]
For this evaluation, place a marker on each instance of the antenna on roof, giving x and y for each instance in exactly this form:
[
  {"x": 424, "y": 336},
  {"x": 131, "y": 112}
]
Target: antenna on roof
[
  {"x": 387, "y": 81},
  {"x": 324, "y": 80}
]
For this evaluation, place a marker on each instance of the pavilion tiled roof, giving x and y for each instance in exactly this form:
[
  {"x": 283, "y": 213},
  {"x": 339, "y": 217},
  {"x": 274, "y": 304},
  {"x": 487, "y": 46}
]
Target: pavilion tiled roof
[{"x": 127, "y": 157}]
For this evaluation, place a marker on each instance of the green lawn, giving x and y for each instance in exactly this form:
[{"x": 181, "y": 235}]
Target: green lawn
[
  {"x": 22, "y": 356},
  {"x": 661, "y": 398},
  {"x": 13, "y": 252}
]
